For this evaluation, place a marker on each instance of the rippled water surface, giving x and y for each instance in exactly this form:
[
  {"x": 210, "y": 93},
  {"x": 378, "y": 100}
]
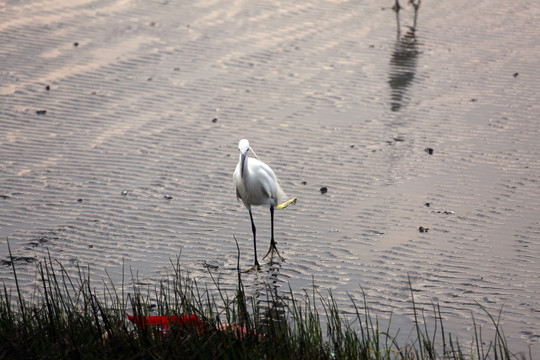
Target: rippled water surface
[{"x": 107, "y": 107}]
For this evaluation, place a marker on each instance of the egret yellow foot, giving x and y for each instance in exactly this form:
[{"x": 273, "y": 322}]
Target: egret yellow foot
[
  {"x": 255, "y": 268},
  {"x": 271, "y": 251},
  {"x": 286, "y": 203}
]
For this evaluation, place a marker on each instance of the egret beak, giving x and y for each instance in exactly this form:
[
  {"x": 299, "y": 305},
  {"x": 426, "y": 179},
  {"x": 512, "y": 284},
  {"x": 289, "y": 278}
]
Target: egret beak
[{"x": 242, "y": 163}]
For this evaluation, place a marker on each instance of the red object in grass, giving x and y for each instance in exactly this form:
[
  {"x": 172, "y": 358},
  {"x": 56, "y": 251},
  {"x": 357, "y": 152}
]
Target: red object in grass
[{"x": 162, "y": 322}]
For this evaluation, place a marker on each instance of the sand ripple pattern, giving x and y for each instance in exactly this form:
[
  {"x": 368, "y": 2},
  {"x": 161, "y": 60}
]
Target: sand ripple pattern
[{"x": 107, "y": 107}]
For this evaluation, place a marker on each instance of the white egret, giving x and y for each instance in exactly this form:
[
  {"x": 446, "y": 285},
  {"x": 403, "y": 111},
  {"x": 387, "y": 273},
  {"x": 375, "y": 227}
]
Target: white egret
[{"x": 256, "y": 184}]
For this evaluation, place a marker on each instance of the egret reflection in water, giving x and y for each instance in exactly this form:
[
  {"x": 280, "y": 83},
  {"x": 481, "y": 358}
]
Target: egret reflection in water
[{"x": 403, "y": 60}]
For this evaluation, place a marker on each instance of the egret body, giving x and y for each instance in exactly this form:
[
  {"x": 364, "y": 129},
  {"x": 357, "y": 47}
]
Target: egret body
[{"x": 256, "y": 184}]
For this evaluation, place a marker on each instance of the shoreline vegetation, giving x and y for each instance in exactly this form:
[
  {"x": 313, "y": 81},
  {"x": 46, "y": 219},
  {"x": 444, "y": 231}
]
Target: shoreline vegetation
[{"x": 71, "y": 318}]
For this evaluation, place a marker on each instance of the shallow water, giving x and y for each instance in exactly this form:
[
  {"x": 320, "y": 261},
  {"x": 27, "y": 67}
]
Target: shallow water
[{"x": 329, "y": 93}]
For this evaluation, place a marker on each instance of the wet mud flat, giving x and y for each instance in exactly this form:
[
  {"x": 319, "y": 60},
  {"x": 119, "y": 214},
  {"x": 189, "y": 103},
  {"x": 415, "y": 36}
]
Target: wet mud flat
[{"x": 119, "y": 125}]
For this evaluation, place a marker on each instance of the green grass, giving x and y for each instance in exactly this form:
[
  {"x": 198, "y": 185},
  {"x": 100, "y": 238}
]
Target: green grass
[{"x": 71, "y": 318}]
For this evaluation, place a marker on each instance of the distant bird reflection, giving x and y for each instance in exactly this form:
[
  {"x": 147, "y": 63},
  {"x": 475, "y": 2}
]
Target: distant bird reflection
[{"x": 403, "y": 60}]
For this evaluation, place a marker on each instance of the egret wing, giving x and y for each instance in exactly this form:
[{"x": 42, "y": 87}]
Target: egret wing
[{"x": 282, "y": 199}]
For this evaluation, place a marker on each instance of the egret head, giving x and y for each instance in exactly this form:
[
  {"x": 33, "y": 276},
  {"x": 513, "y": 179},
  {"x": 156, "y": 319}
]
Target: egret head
[{"x": 243, "y": 146}]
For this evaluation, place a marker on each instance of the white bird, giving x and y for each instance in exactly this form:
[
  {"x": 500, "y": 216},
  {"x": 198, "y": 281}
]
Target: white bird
[{"x": 256, "y": 184}]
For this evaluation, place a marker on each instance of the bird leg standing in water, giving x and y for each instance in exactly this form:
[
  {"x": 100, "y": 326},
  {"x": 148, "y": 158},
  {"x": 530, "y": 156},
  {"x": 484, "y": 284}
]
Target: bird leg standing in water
[
  {"x": 256, "y": 266},
  {"x": 256, "y": 184},
  {"x": 272, "y": 242}
]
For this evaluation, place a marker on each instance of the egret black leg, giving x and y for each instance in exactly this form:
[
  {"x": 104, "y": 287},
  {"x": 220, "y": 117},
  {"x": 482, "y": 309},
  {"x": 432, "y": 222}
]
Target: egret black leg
[
  {"x": 254, "y": 230},
  {"x": 272, "y": 242}
]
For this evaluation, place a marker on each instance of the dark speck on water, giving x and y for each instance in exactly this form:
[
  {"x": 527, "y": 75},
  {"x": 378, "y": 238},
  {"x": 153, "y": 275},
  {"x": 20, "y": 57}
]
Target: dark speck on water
[
  {"x": 41, "y": 112},
  {"x": 214, "y": 120},
  {"x": 429, "y": 151},
  {"x": 210, "y": 266},
  {"x": 324, "y": 190}
]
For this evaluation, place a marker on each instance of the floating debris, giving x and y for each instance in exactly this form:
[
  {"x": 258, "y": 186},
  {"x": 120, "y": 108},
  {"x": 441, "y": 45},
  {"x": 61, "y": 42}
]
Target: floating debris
[
  {"x": 210, "y": 266},
  {"x": 323, "y": 190}
]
